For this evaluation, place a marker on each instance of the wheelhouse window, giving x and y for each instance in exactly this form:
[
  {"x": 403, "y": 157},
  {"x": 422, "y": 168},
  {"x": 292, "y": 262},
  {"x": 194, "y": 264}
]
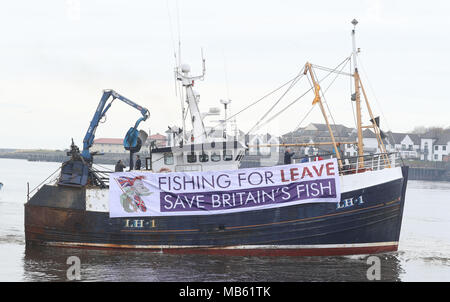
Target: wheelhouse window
[
  {"x": 168, "y": 158},
  {"x": 192, "y": 158},
  {"x": 215, "y": 157},
  {"x": 227, "y": 155},
  {"x": 203, "y": 157}
]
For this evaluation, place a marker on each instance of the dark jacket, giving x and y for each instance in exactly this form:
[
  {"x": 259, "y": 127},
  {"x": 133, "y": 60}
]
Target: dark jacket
[
  {"x": 137, "y": 166},
  {"x": 119, "y": 167},
  {"x": 288, "y": 157}
]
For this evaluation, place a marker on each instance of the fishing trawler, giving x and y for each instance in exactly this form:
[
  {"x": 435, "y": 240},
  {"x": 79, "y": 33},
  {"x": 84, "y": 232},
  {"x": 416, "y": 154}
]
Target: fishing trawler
[{"x": 192, "y": 196}]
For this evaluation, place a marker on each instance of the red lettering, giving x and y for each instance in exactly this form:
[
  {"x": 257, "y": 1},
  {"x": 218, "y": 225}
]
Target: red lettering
[
  {"x": 294, "y": 172},
  {"x": 282, "y": 176},
  {"x": 319, "y": 173},
  {"x": 330, "y": 169},
  {"x": 306, "y": 170}
]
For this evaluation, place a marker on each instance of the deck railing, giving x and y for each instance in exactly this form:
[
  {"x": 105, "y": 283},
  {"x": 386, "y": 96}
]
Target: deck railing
[
  {"x": 370, "y": 162},
  {"x": 51, "y": 179}
]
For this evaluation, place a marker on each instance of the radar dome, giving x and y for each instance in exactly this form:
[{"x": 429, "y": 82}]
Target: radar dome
[{"x": 185, "y": 68}]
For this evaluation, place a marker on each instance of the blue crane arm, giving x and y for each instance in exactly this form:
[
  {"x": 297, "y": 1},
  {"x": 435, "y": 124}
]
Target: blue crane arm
[{"x": 100, "y": 112}]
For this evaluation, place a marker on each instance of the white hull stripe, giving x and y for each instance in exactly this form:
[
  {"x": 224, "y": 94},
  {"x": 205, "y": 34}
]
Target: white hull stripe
[{"x": 239, "y": 247}]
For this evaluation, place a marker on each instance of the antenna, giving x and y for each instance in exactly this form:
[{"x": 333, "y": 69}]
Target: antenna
[
  {"x": 225, "y": 104},
  {"x": 203, "y": 63},
  {"x": 179, "y": 34},
  {"x": 226, "y": 74},
  {"x": 354, "y": 22}
]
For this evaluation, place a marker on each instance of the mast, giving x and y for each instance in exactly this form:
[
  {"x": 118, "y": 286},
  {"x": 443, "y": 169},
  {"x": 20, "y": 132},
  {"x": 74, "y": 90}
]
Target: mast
[
  {"x": 317, "y": 99},
  {"x": 198, "y": 128},
  {"x": 357, "y": 100}
]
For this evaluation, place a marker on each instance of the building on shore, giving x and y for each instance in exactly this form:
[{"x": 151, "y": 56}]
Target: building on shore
[
  {"x": 429, "y": 146},
  {"x": 407, "y": 144},
  {"x": 435, "y": 146},
  {"x": 108, "y": 145},
  {"x": 115, "y": 145},
  {"x": 346, "y": 138}
]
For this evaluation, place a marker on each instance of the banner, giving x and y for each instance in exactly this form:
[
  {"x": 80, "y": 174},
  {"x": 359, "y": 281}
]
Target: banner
[{"x": 141, "y": 193}]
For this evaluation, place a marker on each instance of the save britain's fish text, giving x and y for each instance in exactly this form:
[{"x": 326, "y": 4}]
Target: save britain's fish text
[{"x": 324, "y": 188}]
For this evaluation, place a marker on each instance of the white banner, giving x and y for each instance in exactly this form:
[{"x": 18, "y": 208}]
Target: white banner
[{"x": 133, "y": 194}]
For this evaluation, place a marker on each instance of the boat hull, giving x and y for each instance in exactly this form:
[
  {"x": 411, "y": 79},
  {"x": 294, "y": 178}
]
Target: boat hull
[{"x": 367, "y": 220}]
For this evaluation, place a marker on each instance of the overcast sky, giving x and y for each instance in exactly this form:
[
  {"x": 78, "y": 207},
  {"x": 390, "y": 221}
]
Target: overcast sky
[{"x": 57, "y": 56}]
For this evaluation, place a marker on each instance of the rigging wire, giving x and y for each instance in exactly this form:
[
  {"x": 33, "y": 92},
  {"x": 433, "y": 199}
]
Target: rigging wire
[
  {"x": 103, "y": 167},
  {"x": 301, "y": 96},
  {"x": 325, "y": 101},
  {"x": 306, "y": 115},
  {"x": 172, "y": 35},
  {"x": 293, "y": 83},
  {"x": 351, "y": 101},
  {"x": 284, "y": 109},
  {"x": 179, "y": 33},
  {"x": 226, "y": 74},
  {"x": 331, "y": 70},
  {"x": 178, "y": 88},
  {"x": 326, "y": 89},
  {"x": 296, "y": 129},
  {"x": 376, "y": 100},
  {"x": 254, "y": 103},
  {"x": 171, "y": 32}
]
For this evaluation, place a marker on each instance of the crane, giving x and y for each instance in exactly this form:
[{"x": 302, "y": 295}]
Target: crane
[
  {"x": 131, "y": 138},
  {"x": 77, "y": 170}
]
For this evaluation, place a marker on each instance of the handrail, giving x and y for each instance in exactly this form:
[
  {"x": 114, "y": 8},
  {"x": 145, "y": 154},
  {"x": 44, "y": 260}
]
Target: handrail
[
  {"x": 371, "y": 162},
  {"x": 35, "y": 188}
]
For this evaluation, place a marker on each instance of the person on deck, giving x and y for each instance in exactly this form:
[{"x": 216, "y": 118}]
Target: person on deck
[
  {"x": 288, "y": 156},
  {"x": 119, "y": 166},
  {"x": 137, "y": 166}
]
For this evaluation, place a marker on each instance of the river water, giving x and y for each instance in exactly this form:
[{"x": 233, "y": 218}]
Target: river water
[{"x": 424, "y": 249}]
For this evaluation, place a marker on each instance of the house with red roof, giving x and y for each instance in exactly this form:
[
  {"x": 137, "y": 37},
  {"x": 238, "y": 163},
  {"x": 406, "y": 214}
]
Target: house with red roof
[{"x": 115, "y": 145}]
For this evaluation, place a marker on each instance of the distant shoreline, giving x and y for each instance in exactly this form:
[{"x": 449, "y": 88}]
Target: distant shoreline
[{"x": 58, "y": 156}]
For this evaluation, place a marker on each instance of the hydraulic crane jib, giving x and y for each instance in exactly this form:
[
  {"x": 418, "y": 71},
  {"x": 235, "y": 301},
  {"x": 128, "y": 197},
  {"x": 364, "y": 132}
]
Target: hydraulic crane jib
[{"x": 77, "y": 171}]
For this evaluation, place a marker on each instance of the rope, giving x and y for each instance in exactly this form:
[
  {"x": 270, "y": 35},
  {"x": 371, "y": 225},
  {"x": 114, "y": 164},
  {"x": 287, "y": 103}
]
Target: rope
[
  {"x": 284, "y": 109},
  {"x": 293, "y": 102},
  {"x": 351, "y": 101},
  {"x": 59, "y": 168},
  {"x": 326, "y": 89},
  {"x": 379, "y": 106},
  {"x": 306, "y": 115},
  {"x": 252, "y": 104},
  {"x": 331, "y": 70},
  {"x": 102, "y": 167},
  {"x": 323, "y": 93},
  {"x": 171, "y": 32},
  {"x": 293, "y": 83}
]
